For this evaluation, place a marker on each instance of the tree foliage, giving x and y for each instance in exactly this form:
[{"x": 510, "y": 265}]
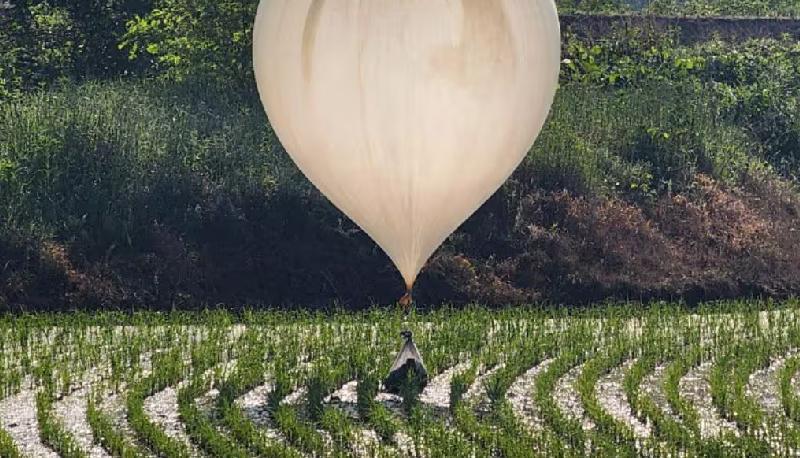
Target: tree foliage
[
  {"x": 44, "y": 41},
  {"x": 179, "y": 38}
]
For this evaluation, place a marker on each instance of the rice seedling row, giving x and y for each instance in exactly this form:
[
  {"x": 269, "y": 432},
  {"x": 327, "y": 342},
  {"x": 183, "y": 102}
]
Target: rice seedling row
[{"x": 497, "y": 383}]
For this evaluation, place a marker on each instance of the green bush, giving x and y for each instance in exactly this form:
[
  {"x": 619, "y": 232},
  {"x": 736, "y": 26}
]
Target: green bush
[
  {"x": 751, "y": 85},
  {"x": 182, "y": 38},
  {"x": 37, "y": 46},
  {"x": 45, "y": 41},
  {"x": 637, "y": 141}
]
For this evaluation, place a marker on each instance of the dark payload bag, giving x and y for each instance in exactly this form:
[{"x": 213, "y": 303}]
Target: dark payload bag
[{"x": 408, "y": 363}]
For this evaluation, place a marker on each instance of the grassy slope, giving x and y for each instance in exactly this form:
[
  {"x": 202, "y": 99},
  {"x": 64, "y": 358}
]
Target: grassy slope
[
  {"x": 110, "y": 187},
  {"x": 139, "y": 193}
]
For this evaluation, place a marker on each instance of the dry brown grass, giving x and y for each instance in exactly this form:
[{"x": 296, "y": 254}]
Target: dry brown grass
[{"x": 710, "y": 242}]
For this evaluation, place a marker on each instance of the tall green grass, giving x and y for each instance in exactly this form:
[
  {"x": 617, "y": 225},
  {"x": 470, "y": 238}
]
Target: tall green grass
[
  {"x": 99, "y": 162},
  {"x": 637, "y": 141}
]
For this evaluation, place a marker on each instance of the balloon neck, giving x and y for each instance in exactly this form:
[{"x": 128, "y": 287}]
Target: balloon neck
[{"x": 406, "y": 300}]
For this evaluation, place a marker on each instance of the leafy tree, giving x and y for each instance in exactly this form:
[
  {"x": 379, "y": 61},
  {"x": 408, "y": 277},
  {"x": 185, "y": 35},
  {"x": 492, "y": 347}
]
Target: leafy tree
[
  {"x": 182, "y": 37},
  {"x": 42, "y": 41}
]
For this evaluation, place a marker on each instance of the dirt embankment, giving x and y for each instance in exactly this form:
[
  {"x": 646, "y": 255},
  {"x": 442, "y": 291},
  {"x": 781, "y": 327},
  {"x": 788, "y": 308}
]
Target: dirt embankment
[{"x": 712, "y": 242}]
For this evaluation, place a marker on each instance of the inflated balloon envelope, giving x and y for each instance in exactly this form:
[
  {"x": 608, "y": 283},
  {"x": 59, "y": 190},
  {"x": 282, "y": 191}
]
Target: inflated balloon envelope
[{"x": 407, "y": 114}]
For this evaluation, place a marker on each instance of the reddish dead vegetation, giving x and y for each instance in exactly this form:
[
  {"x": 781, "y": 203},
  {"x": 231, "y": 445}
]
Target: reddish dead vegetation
[
  {"x": 712, "y": 242},
  {"x": 708, "y": 244}
]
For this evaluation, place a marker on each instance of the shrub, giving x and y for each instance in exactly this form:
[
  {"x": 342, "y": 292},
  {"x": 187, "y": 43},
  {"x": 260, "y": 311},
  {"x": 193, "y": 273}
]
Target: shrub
[
  {"x": 45, "y": 41},
  {"x": 180, "y": 38}
]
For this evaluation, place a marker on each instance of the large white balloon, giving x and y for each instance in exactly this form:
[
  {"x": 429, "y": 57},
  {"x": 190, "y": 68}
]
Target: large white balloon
[{"x": 407, "y": 114}]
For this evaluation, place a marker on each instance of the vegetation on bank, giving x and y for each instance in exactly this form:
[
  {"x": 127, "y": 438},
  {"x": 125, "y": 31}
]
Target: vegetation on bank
[
  {"x": 43, "y": 42},
  {"x": 663, "y": 171},
  {"x": 156, "y": 193}
]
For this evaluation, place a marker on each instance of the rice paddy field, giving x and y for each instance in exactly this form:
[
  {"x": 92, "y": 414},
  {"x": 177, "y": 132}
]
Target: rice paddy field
[{"x": 660, "y": 380}]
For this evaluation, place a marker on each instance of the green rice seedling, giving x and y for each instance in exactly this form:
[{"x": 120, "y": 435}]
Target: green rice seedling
[
  {"x": 435, "y": 439},
  {"x": 459, "y": 385},
  {"x": 167, "y": 370},
  {"x": 373, "y": 414},
  {"x": 728, "y": 379},
  {"x": 244, "y": 431},
  {"x": 8, "y": 449},
  {"x": 569, "y": 432},
  {"x": 297, "y": 432},
  {"x": 674, "y": 372},
  {"x": 511, "y": 437},
  {"x": 366, "y": 391},
  {"x": 343, "y": 435},
  {"x": 667, "y": 432},
  {"x": 106, "y": 434},
  {"x": 737, "y": 360},
  {"x": 735, "y": 338},
  {"x": 248, "y": 374},
  {"x": 282, "y": 386},
  {"x": 789, "y": 398},
  {"x": 609, "y": 431},
  {"x": 52, "y": 432},
  {"x": 317, "y": 390},
  {"x": 326, "y": 378},
  {"x": 484, "y": 437},
  {"x": 383, "y": 422},
  {"x": 199, "y": 426}
]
